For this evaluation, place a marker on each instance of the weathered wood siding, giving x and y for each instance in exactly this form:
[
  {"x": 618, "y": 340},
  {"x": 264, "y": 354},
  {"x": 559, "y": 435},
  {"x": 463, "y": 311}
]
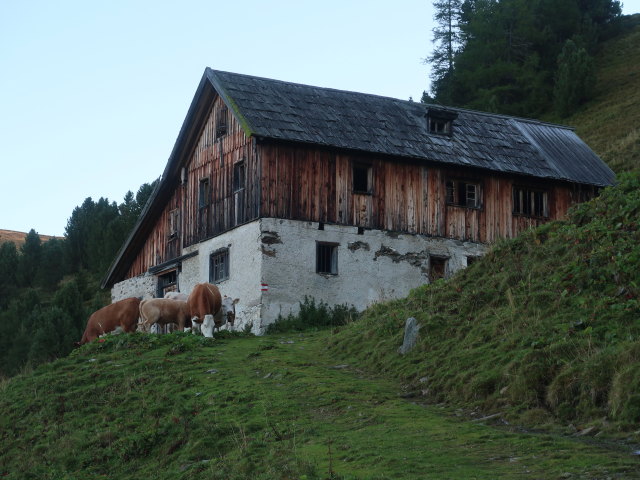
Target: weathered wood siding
[
  {"x": 213, "y": 157},
  {"x": 317, "y": 185},
  {"x": 314, "y": 184}
]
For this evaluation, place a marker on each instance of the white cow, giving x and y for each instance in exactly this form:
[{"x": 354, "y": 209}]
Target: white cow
[
  {"x": 183, "y": 297},
  {"x": 226, "y": 314}
]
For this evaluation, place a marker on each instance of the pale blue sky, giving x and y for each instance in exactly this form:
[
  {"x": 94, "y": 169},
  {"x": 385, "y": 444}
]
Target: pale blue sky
[{"x": 93, "y": 94}]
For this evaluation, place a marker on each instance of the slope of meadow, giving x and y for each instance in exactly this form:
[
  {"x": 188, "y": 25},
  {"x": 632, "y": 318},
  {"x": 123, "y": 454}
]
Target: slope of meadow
[
  {"x": 242, "y": 407},
  {"x": 544, "y": 330}
]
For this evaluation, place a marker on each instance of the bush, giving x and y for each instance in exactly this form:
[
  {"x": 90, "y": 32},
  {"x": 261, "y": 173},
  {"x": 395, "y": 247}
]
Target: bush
[{"x": 314, "y": 316}]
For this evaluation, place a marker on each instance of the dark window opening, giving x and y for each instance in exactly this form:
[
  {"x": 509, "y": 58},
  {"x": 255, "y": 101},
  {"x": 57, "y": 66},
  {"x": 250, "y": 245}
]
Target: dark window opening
[
  {"x": 167, "y": 283},
  {"x": 221, "y": 123},
  {"x": 440, "y": 126},
  {"x": 530, "y": 202},
  {"x": 471, "y": 259},
  {"x": 239, "y": 177},
  {"x": 463, "y": 193},
  {"x": 437, "y": 267},
  {"x": 203, "y": 193},
  {"x": 440, "y": 121},
  {"x": 360, "y": 230},
  {"x": 327, "y": 258},
  {"x": 219, "y": 266},
  {"x": 320, "y": 226},
  {"x": 362, "y": 178}
]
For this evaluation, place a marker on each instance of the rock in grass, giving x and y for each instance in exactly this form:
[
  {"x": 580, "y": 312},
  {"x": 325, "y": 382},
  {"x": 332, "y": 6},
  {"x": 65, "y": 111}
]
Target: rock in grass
[{"x": 411, "y": 328}]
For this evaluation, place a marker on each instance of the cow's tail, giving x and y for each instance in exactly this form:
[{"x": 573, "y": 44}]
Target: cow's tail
[{"x": 141, "y": 319}]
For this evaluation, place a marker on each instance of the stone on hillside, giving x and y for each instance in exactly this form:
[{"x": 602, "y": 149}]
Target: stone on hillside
[{"x": 411, "y": 328}]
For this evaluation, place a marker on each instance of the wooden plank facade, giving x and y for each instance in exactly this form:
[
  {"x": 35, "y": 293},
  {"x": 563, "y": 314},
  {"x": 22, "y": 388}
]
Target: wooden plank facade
[{"x": 231, "y": 179}]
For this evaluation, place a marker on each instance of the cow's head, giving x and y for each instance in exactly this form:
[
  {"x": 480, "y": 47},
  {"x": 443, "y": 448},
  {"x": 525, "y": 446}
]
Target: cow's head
[{"x": 229, "y": 309}]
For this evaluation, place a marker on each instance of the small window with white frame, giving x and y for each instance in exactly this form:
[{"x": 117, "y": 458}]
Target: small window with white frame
[
  {"x": 327, "y": 258},
  {"x": 463, "y": 193},
  {"x": 219, "y": 266}
]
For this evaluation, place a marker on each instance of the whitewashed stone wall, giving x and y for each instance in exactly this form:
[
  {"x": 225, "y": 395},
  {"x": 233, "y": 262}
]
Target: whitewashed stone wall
[
  {"x": 141, "y": 286},
  {"x": 372, "y": 266},
  {"x": 244, "y": 273},
  {"x": 273, "y": 267}
]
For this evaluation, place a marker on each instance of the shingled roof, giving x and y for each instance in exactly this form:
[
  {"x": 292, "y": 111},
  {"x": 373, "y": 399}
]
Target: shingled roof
[{"x": 381, "y": 125}]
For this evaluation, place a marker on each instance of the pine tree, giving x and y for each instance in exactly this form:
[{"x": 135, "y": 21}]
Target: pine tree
[
  {"x": 575, "y": 78},
  {"x": 8, "y": 267},
  {"x": 29, "y": 260},
  {"x": 446, "y": 35},
  {"x": 501, "y": 54}
]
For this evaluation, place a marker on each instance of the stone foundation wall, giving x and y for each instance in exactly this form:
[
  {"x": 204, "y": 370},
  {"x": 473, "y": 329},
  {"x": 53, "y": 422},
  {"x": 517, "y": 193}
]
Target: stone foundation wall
[{"x": 273, "y": 263}]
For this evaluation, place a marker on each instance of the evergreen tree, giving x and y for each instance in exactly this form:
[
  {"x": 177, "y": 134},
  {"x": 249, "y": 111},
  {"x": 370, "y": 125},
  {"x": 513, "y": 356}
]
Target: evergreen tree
[
  {"x": 574, "y": 80},
  {"x": 446, "y": 36},
  {"x": 507, "y": 50},
  {"x": 48, "y": 330},
  {"x": 52, "y": 266},
  {"x": 77, "y": 233},
  {"x": 144, "y": 194},
  {"x": 8, "y": 268},
  {"x": 29, "y": 260}
]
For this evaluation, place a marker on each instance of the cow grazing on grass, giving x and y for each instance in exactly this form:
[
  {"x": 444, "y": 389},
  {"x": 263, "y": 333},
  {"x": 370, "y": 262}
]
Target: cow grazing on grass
[
  {"x": 163, "y": 311},
  {"x": 209, "y": 310},
  {"x": 177, "y": 296},
  {"x": 122, "y": 314}
]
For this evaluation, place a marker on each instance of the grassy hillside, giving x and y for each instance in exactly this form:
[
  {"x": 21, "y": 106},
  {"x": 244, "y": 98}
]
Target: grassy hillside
[
  {"x": 544, "y": 330},
  {"x": 273, "y": 407},
  {"x": 526, "y": 367},
  {"x": 610, "y": 122}
]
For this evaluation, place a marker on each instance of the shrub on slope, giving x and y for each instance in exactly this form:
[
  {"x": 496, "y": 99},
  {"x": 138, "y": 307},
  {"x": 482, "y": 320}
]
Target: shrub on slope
[{"x": 545, "y": 325}]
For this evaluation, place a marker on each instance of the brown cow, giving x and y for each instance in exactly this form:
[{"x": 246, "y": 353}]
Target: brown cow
[
  {"x": 163, "y": 311},
  {"x": 209, "y": 309},
  {"x": 123, "y": 313}
]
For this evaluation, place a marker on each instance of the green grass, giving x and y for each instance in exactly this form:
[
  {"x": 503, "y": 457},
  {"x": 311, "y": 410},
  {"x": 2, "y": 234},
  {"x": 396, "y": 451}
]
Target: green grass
[
  {"x": 185, "y": 407},
  {"x": 545, "y": 329}
]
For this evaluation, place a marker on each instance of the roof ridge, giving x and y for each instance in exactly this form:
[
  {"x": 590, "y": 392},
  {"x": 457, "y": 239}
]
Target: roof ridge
[{"x": 426, "y": 106}]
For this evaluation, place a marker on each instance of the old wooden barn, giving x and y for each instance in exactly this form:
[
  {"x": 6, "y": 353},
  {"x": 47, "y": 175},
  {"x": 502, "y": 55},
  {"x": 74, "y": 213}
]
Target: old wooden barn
[{"x": 277, "y": 191}]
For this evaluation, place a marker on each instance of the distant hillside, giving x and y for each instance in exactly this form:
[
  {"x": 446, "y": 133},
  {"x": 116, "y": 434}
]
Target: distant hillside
[
  {"x": 18, "y": 237},
  {"x": 610, "y": 122}
]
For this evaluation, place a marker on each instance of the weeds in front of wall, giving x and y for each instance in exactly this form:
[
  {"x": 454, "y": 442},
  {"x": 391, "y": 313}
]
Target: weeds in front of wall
[{"x": 314, "y": 316}]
